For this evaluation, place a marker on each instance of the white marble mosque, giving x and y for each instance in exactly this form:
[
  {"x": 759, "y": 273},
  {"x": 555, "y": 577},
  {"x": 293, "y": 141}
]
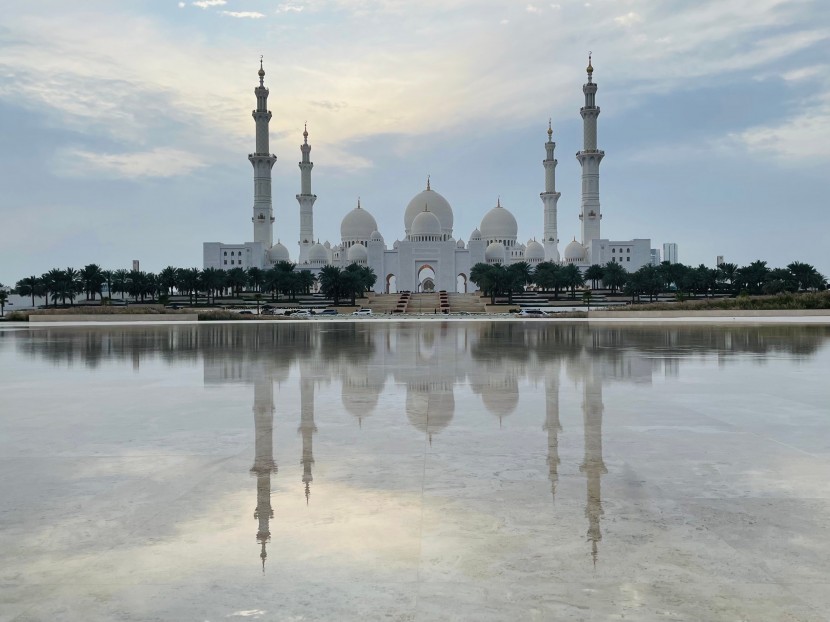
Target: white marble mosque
[{"x": 429, "y": 256}]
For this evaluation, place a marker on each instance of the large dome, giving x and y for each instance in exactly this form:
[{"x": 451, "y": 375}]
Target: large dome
[
  {"x": 499, "y": 224},
  {"x": 425, "y": 223},
  {"x": 278, "y": 252},
  {"x": 357, "y": 225},
  {"x": 574, "y": 252},
  {"x": 435, "y": 203}
]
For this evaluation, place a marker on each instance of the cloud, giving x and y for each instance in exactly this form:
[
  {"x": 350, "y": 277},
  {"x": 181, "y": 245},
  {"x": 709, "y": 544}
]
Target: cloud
[
  {"x": 244, "y": 14},
  {"x": 159, "y": 162},
  {"x": 204, "y": 4},
  {"x": 629, "y": 19},
  {"x": 530, "y": 8},
  {"x": 290, "y": 7}
]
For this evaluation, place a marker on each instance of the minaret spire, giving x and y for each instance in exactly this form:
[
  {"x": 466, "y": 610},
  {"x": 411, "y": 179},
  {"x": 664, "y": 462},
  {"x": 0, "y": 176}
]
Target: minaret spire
[
  {"x": 590, "y": 158},
  {"x": 306, "y": 199},
  {"x": 550, "y": 198},
  {"x": 262, "y": 161},
  {"x": 592, "y": 464},
  {"x": 307, "y": 430},
  {"x": 264, "y": 464}
]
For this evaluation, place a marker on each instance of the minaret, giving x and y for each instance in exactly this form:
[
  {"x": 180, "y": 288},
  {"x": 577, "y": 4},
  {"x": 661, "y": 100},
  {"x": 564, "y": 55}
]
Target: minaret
[
  {"x": 592, "y": 464},
  {"x": 307, "y": 429},
  {"x": 264, "y": 463},
  {"x": 589, "y": 158},
  {"x": 550, "y": 197},
  {"x": 262, "y": 161},
  {"x": 306, "y": 200}
]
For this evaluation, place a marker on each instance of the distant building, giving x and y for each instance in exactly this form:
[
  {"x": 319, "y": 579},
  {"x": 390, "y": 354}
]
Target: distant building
[
  {"x": 670, "y": 252},
  {"x": 135, "y": 265},
  {"x": 655, "y": 256},
  {"x": 719, "y": 260}
]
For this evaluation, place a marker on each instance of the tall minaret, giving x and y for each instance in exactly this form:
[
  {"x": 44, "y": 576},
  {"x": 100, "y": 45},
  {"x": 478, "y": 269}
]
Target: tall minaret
[
  {"x": 262, "y": 161},
  {"x": 549, "y": 199},
  {"x": 306, "y": 200},
  {"x": 264, "y": 463},
  {"x": 589, "y": 158},
  {"x": 552, "y": 424}
]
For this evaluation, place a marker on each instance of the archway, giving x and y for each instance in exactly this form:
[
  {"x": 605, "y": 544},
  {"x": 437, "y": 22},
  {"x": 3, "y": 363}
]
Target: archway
[
  {"x": 391, "y": 284},
  {"x": 461, "y": 283},
  {"x": 426, "y": 278}
]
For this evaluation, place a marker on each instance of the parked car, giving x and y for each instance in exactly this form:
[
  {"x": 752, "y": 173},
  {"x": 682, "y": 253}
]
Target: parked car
[
  {"x": 246, "y": 312},
  {"x": 531, "y": 313},
  {"x": 301, "y": 313},
  {"x": 327, "y": 312},
  {"x": 363, "y": 312}
]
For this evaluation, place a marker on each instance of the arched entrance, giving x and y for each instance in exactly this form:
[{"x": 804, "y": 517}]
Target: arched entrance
[
  {"x": 461, "y": 283},
  {"x": 391, "y": 284},
  {"x": 426, "y": 278}
]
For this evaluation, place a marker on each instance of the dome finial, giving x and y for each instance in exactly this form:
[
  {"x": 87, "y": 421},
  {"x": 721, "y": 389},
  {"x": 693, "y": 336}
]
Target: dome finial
[
  {"x": 550, "y": 130},
  {"x": 305, "y": 132},
  {"x": 358, "y": 202},
  {"x": 261, "y": 71},
  {"x": 428, "y": 188},
  {"x": 498, "y": 201},
  {"x": 590, "y": 66}
]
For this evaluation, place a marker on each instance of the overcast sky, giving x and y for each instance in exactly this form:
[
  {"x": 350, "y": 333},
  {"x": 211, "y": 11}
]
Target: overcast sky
[{"x": 125, "y": 127}]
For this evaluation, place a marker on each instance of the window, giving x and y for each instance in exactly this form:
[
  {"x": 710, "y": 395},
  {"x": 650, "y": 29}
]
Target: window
[
  {"x": 226, "y": 253},
  {"x": 628, "y": 250},
  {"x": 226, "y": 261},
  {"x": 613, "y": 250},
  {"x": 614, "y": 259},
  {"x": 231, "y": 261},
  {"x": 628, "y": 258}
]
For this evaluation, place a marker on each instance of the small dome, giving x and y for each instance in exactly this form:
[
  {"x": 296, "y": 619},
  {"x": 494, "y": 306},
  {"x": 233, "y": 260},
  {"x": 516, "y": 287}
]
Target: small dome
[
  {"x": 425, "y": 223},
  {"x": 475, "y": 235},
  {"x": 278, "y": 252},
  {"x": 318, "y": 254},
  {"x": 357, "y": 253},
  {"x": 376, "y": 236},
  {"x": 494, "y": 253},
  {"x": 357, "y": 225},
  {"x": 396, "y": 244},
  {"x": 327, "y": 244},
  {"x": 574, "y": 252},
  {"x": 499, "y": 224},
  {"x": 534, "y": 251},
  {"x": 436, "y": 204},
  {"x": 460, "y": 244}
]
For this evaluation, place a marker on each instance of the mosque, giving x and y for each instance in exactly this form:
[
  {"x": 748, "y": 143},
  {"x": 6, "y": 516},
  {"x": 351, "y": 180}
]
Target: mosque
[{"x": 429, "y": 257}]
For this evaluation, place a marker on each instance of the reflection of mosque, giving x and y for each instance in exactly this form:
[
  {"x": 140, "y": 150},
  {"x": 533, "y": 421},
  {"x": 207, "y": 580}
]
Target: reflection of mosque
[{"x": 430, "y": 360}]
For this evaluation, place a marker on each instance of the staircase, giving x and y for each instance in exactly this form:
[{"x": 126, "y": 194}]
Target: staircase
[
  {"x": 466, "y": 303},
  {"x": 423, "y": 303}
]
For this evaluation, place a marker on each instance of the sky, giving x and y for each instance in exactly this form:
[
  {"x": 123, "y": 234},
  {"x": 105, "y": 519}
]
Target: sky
[{"x": 125, "y": 127}]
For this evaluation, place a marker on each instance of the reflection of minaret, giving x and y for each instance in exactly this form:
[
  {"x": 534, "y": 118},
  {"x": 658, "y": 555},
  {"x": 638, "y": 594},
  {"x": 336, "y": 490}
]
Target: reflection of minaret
[
  {"x": 592, "y": 465},
  {"x": 264, "y": 463},
  {"x": 552, "y": 425},
  {"x": 307, "y": 429}
]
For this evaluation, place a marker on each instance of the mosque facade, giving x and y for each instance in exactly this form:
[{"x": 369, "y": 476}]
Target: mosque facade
[{"x": 429, "y": 257}]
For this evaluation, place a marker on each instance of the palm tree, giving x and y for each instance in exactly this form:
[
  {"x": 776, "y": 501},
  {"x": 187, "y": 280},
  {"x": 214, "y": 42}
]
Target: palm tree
[
  {"x": 50, "y": 281},
  {"x": 572, "y": 278},
  {"x": 805, "y": 275},
  {"x": 613, "y": 276},
  {"x": 71, "y": 286},
  {"x": 518, "y": 275},
  {"x": 548, "y": 275},
  {"x": 92, "y": 278},
  {"x": 237, "y": 279},
  {"x": 256, "y": 278},
  {"x": 108, "y": 274},
  {"x": 168, "y": 279},
  {"x": 188, "y": 280},
  {"x": 212, "y": 281},
  {"x": 307, "y": 280},
  {"x": 4, "y": 296},
  {"x": 30, "y": 286},
  {"x": 119, "y": 282},
  {"x": 594, "y": 274},
  {"x": 727, "y": 272},
  {"x": 329, "y": 278},
  {"x": 483, "y": 275}
]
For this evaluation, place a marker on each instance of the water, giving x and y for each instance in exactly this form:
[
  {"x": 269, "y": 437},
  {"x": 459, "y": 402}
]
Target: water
[{"x": 415, "y": 471}]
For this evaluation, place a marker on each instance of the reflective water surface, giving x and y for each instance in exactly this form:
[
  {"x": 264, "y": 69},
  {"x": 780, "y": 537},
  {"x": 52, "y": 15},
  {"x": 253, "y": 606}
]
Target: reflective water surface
[{"x": 415, "y": 471}]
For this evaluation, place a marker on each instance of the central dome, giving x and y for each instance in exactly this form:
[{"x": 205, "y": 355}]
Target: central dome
[
  {"x": 574, "y": 252},
  {"x": 435, "y": 203}
]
